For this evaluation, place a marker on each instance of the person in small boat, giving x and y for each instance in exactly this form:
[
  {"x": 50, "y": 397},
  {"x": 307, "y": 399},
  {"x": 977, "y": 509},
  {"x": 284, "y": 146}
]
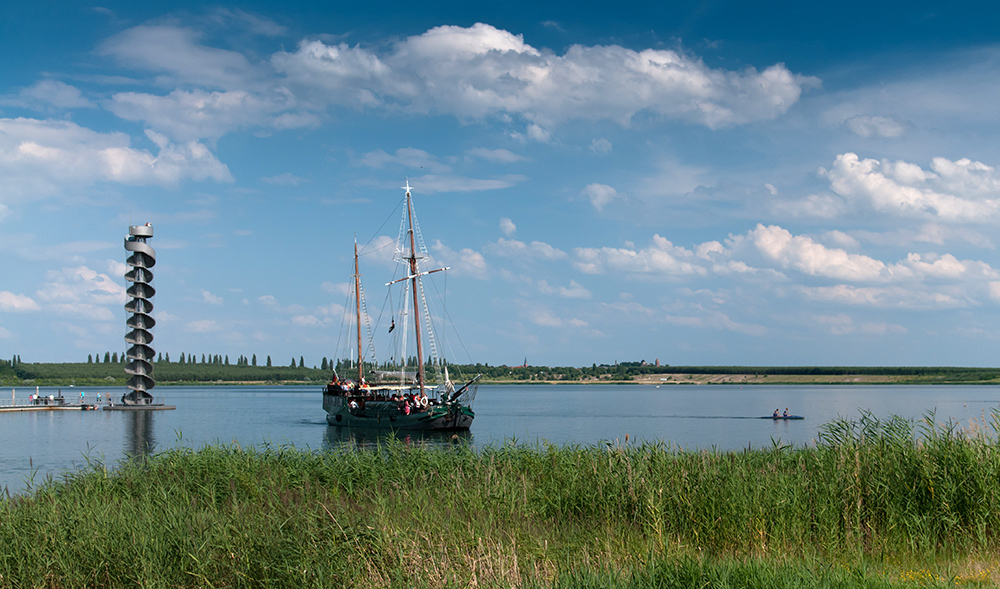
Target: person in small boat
[
  {"x": 785, "y": 414},
  {"x": 775, "y": 414}
]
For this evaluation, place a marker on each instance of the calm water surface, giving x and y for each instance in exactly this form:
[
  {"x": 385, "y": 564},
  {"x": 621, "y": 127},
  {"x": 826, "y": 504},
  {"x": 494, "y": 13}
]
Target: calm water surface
[{"x": 726, "y": 417}]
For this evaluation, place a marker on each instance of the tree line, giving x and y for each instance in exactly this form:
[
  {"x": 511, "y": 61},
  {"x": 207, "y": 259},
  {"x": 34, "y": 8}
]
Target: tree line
[
  {"x": 190, "y": 368},
  {"x": 216, "y": 359}
]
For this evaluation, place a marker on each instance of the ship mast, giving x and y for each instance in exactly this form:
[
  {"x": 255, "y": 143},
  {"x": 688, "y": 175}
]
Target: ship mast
[
  {"x": 414, "y": 275},
  {"x": 357, "y": 302}
]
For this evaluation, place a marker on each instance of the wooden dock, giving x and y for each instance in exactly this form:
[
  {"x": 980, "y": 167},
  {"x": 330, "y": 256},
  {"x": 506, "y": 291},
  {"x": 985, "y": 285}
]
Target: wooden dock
[{"x": 48, "y": 407}]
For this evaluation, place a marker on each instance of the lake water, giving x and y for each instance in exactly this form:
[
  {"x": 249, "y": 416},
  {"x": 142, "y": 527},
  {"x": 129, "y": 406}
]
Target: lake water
[{"x": 725, "y": 417}]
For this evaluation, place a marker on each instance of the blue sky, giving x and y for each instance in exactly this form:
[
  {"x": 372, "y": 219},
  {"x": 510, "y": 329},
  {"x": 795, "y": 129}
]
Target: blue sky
[{"x": 696, "y": 182}]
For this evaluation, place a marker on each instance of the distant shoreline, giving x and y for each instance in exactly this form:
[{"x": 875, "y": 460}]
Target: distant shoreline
[
  {"x": 166, "y": 374},
  {"x": 665, "y": 380}
]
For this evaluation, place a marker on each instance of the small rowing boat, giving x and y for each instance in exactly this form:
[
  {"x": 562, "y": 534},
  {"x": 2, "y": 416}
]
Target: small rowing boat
[{"x": 782, "y": 417}]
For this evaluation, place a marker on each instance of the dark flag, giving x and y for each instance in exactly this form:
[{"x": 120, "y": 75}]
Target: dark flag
[{"x": 393, "y": 326}]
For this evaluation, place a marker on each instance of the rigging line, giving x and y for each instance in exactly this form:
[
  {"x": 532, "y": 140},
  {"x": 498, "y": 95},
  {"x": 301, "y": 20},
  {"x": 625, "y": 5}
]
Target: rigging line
[
  {"x": 368, "y": 325},
  {"x": 381, "y": 311},
  {"x": 369, "y": 252},
  {"x": 343, "y": 321},
  {"x": 379, "y": 230},
  {"x": 459, "y": 336}
]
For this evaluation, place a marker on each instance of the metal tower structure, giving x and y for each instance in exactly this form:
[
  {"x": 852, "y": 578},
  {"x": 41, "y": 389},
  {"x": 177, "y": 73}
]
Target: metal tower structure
[{"x": 139, "y": 307}]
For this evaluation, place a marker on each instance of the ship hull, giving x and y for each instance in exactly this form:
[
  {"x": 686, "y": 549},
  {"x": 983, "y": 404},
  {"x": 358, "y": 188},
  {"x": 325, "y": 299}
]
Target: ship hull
[{"x": 386, "y": 415}]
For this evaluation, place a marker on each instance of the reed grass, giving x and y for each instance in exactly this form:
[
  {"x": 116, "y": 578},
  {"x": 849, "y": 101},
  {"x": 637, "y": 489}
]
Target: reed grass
[{"x": 873, "y": 503}]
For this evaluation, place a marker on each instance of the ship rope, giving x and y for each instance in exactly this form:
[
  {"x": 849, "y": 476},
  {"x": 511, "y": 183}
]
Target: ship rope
[
  {"x": 435, "y": 358},
  {"x": 368, "y": 325},
  {"x": 405, "y": 316}
]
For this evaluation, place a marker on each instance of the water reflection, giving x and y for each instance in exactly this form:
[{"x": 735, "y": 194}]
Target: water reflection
[
  {"x": 139, "y": 440},
  {"x": 337, "y": 437}
]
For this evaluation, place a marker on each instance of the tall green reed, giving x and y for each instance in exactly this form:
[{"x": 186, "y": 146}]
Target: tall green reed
[{"x": 505, "y": 514}]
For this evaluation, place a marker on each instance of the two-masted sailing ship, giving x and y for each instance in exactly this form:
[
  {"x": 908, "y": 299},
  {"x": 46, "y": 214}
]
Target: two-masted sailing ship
[{"x": 401, "y": 399}]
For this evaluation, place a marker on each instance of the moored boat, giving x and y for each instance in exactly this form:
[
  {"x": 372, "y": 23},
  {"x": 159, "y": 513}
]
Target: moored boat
[{"x": 397, "y": 399}]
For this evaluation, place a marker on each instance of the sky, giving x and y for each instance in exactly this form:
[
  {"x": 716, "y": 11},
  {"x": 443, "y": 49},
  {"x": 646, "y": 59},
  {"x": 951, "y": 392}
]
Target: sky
[{"x": 695, "y": 182}]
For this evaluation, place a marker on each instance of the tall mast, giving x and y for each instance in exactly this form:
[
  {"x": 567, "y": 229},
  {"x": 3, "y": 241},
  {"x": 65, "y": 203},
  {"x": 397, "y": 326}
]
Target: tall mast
[
  {"x": 416, "y": 298},
  {"x": 357, "y": 302}
]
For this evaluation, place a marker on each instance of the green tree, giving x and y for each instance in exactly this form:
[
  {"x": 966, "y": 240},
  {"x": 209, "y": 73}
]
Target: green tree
[
  {"x": 90, "y": 360},
  {"x": 269, "y": 361},
  {"x": 254, "y": 361},
  {"x": 107, "y": 357},
  {"x": 292, "y": 363},
  {"x": 323, "y": 365},
  {"x": 302, "y": 362},
  {"x": 227, "y": 359},
  {"x": 114, "y": 358}
]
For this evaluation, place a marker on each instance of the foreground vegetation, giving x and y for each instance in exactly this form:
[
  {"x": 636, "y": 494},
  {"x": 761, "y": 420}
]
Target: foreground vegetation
[
  {"x": 866, "y": 507},
  {"x": 16, "y": 373}
]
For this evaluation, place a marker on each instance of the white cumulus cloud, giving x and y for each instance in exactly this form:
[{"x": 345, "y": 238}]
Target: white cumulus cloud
[
  {"x": 875, "y": 126},
  {"x": 600, "y": 195},
  {"x": 512, "y": 248},
  {"x": 210, "y": 298},
  {"x": 15, "y": 302},
  {"x": 480, "y": 71},
  {"x": 806, "y": 255},
  {"x": 956, "y": 191},
  {"x": 661, "y": 258},
  {"x": 37, "y": 157}
]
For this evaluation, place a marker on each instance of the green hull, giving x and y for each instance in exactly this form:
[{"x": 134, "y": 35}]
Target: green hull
[{"x": 386, "y": 415}]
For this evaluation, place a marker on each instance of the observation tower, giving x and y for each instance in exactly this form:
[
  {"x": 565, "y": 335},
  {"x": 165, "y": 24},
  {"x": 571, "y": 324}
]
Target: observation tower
[{"x": 140, "y": 321}]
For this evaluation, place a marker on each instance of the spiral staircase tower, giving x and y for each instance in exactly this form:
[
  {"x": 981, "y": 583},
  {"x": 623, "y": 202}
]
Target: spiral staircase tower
[{"x": 140, "y": 354}]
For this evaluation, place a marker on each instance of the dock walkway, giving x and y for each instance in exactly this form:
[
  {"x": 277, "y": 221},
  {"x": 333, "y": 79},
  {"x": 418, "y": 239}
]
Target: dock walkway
[{"x": 48, "y": 407}]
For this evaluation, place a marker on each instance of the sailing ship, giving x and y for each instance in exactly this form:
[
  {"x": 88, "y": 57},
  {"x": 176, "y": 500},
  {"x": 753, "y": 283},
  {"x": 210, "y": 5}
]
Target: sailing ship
[{"x": 397, "y": 399}]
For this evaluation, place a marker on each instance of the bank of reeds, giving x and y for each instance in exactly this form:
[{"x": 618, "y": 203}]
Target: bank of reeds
[{"x": 874, "y": 503}]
